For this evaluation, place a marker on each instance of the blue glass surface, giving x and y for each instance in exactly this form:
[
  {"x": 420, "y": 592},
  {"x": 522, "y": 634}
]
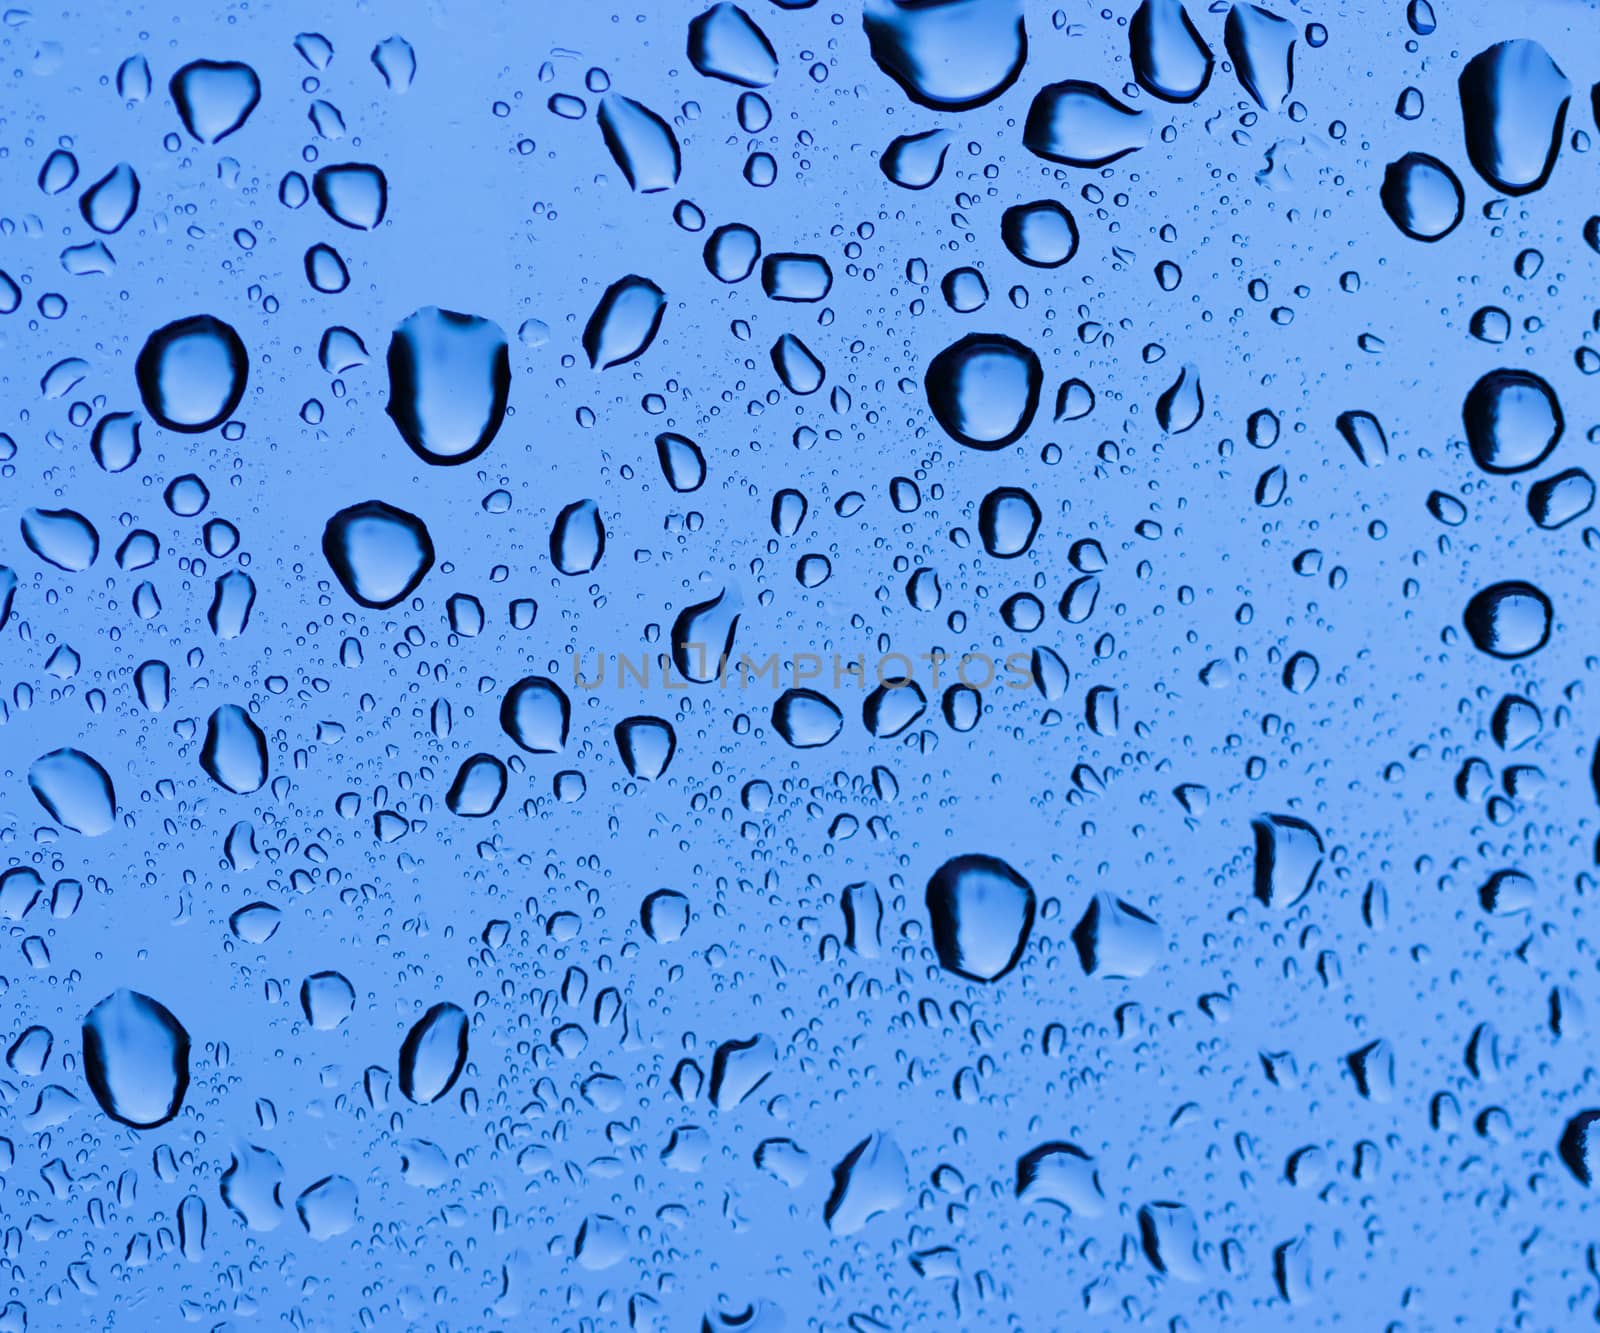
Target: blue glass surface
[{"x": 877, "y": 666}]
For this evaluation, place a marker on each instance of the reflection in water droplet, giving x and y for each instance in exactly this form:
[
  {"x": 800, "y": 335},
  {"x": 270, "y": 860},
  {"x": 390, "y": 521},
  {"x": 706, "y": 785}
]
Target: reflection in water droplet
[
  {"x": 642, "y": 144},
  {"x": 75, "y": 791},
  {"x": 1513, "y": 106},
  {"x": 192, "y": 373},
  {"x": 434, "y": 1053},
  {"x": 1422, "y": 196},
  {"x": 948, "y": 55},
  {"x": 449, "y": 382},
  {"x": 1509, "y": 620},
  {"x": 984, "y": 389},
  {"x": 234, "y": 754},
  {"x": 624, "y": 323},
  {"x": 981, "y": 913},
  {"x": 1080, "y": 124},
  {"x": 1513, "y": 421},
  {"x": 806, "y": 719},
  {"x": 215, "y": 97},
  {"x": 1170, "y": 59},
  {"x": 379, "y": 553},
  {"x": 136, "y": 1059}
]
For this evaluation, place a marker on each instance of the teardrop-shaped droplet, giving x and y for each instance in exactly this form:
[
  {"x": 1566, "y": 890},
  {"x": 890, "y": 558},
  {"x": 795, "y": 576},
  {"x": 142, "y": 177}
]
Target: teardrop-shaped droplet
[
  {"x": 1043, "y": 233},
  {"x": 1170, "y": 59},
  {"x": 449, "y": 382},
  {"x": 192, "y": 373},
  {"x": 1513, "y": 421},
  {"x": 535, "y": 714},
  {"x": 75, "y": 791},
  {"x": 1365, "y": 437},
  {"x": 682, "y": 463},
  {"x": 109, "y": 202},
  {"x": 434, "y": 1053},
  {"x": 725, "y": 43},
  {"x": 624, "y": 323},
  {"x": 1080, "y": 124},
  {"x": 1422, "y": 197},
  {"x": 136, "y": 1059},
  {"x": 578, "y": 538},
  {"x": 892, "y": 707},
  {"x": 981, "y": 913},
  {"x": 479, "y": 787},
  {"x": 731, "y": 252},
  {"x": 234, "y": 754},
  {"x": 702, "y": 637},
  {"x": 797, "y": 367},
  {"x": 215, "y": 97},
  {"x": 984, "y": 389},
  {"x": 61, "y": 537},
  {"x": 1513, "y": 106},
  {"x": 642, "y": 144},
  {"x": 1555, "y": 501},
  {"x": 1183, "y": 403},
  {"x": 353, "y": 194},
  {"x": 646, "y": 746},
  {"x": 395, "y": 59},
  {"x": 1509, "y": 620},
  {"x": 949, "y": 55},
  {"x": 1261, "y": 46},
  {"x": 914, "y": 161},
  {"x": 379, "y": 553}
]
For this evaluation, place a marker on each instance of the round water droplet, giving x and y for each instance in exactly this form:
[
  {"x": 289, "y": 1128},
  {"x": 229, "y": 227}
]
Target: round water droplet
[
  {"x": 1008, "y": 518},
  {"x": 1509, "y": 620},
  {"x": 327, "y": 999},
  {"x": 136, "y": 1059},
  {"x": 984, "y": 389},
  {"x": 192, "y": 373},
  {"x": 1043, "y": 233},
  {"x": 806, "y": 719},
  {"x": 732, "y": 251},
  {"x": 449, "y": 382},
  {"x": 981, "y": 912},
  {"x": 578, "y": 538},
  {"x": 234, "y": 754},
  {"x": 379, "y": 553},
  {"x": 664, "y": 916},
  {"x": 1422, "y": 197},
  {"x": 1513, "y": 421}
]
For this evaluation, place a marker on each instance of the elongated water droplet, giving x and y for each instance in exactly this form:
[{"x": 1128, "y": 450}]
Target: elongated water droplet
[
  {"x": 434, "y": 1053},
  {"x": 1513, "y": 105},
  {"x": 949, "y": 55},
  {"x": 1261, "y": 46},
  {"x": 109, "y": 202},
  {"x": 981, "y": 913},
  {"x": 234, "y": 754},
  {"x": 1170, "y": 59},
  {"x": 449, "y": 382},
  {"x": 479, "y": 787},
  {"x": 535, "y": 714},
  {"x": 75, "y": 791},
  {"x": 624, "y": 323},
  {"x": 642, "y": 144},
  {"x": 61, "y": 537},
  {"x": 646, "y": 746},
  {"x": 136, "y": 1059},
  {"x": 578, "y": 538}
]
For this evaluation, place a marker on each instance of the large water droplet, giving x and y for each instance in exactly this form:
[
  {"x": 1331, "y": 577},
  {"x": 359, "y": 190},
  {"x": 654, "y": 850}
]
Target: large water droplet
[
  {"x": 75, "y": 791},
  {"x": 1116, "y": 939},
  {"x": 1170, "y": 59},
  {"x": 327, "y": 999},
  {"x": 536, "y": 714},
  {"x": 1043, "y": 233},
  {"x": 725, "y": 43},
  {"x": 115, "y": 441},
  {"x": 624, "y": 323},
  {"x": 578, "y": 538},
  {"x": 949, "y": 55},
  {"x": 806, "y": 719},
  {"x": 682, "y": 462},
  {"x": 646, "y": 745},
  {"x": 1422, "y": 196},
  {"x": 234, "y": 754},
  {"x": 984, "y": 389},
  {"x": 1080, "y": 124},
  {"x": 870, "y": 1181},
  {"x": 1556, "y": 501},
  {"x": 449, "y": 381},
  {"x": 136, "y": 1059},
  {"x": 1261, "y": 46},
  {"x": 378, "y": 552},
  {"x": 797, "y": 367},
  {"x": 215, "y": 97},
  {"x": 353, "y": 194},
  {"x": 914, "y": 161},
  {"x": 642, "y": 144},
  {"x": 731, "y": 252},
  {"x": 109, "y": 202},
  {"x": 1513, "y": 421},
  {"x": 1062, "y": 1174},
  {"x": 434, "y": 1053},
  {"x": 1288, "y": 856},
  {"x": 1513, "y": 106},
  {"x": 192, "y": 373},
  {"x": 702, "y": 636},
  {"x": 61, "y": 537},
  {"x": 1183, "y": 403},
  {"x": 479, "y": 787},
  {"x": 1509, "y": 620},
  {"x": 1008, "y": 518},
  {"x": 981, "y": 912}
]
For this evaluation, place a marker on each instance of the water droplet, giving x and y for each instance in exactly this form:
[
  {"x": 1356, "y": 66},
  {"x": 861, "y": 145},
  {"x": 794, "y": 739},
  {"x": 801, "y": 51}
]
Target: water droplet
[
  {"x": 1513, "y": 421},
  {"x": 353, "y": 194},
  {"x": 1008, "y": 518},
  {"x": 110, "y": 201},
  {"x": 1080, "y": 124},
  {"x": 578, "y": 538},
  {"x": 1170, "y": 59},
  {"x": 433, "y": 1054},
  {"x": 1508, "y": 620},
  {"x": 1043, "y": 233},
  {"x": 981, "y": 913},
  {"x": 327, "y": 999},
  {"x": 915, "y": 161},
  {"x": 1288, "y": 856},
  {"x": 535, "y": 714},
  {"x": 1513, "y": 106},
  {"x": 115, "y": 441},
  {"x": 61, "y": 537},
  {"x": 1116, "y": 939},
  {"x": 799, "y": 370},
  {"x": 1261, "y": 46},
  {"x": 1061, "y": 1174},
  {"x": 624, "y": 323},
  {"x": 682, "y": 463},
  {"x": 1555, "y": 501},
  {"x": 215, "y": 97},
  {"x": 806, "y": 719},
  {"x": 379, "y": 553},
  {"x": 1183, "y": 403},
  {"x": 868, "y": 1182},
  {"x": 192, "y": 373},
  {"x": 646, "y": 746},
  {"x": 449, "y": 382},
  {"x": 1422, "y": 197},
  {"x": 479, "y": 787},
  {"x": 75, "y": 791},
  {"x": 136, "y": 1059},
  {"x": 948, "y": 55},
  {"x": 725, "y": 43},
  {"x": 642, "y": 144},
  {"x": 984, "y": 389},
  {"x": 234, "y": 754}
]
